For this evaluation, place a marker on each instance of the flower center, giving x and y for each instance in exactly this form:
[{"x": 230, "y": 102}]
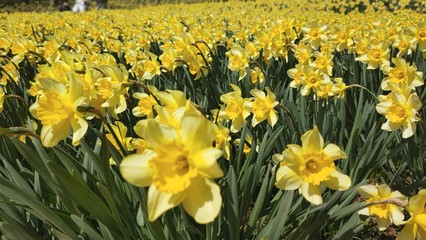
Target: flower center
[
  {"x": 145, "y": 105},
  {"x": 261, "y": 108},
  {"x": 53, "y": 108},
  {"x": 174, "y": 168},
  {"x": 396, "y": 113},
  {"x": 381, "y": 210},
  {"x": 233, "y": 110},
  {"x": 315, "y": 169}
]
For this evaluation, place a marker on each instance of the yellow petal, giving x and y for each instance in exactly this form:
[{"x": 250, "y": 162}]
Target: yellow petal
[
  {"x": 197, "y": 132},
  {"x": 397, "y": 215},
  {"x": 51, "y": 135},
  {"x": 79, "y": 127},
  {"x": 206, "y": 162},
  {"x": 76, "y": 87},
  {"x": 312, "y": 141},
  {"x": 160, "y": 202},
  {"x": 136, "y": 170},
  {"x": 368, "y": 191},
  {"x": 383, "y": 223},
  {"x": 293, "y": 154},
  {"x": 407, "y": 233},
  {"x": 333, "y": 152},
  {"x": 338, "y": 181},
  {"x": 421, "y": 221},
  {"x": 203, "y": 200},
  {"x": 287, "y": 179},
  {"x": 311, "y": 192},
  {"x": 158, "y": 134}
]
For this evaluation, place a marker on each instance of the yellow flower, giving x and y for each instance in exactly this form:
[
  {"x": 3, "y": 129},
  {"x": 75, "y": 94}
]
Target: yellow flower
[
  {"x": 324, "y": 62},
  {"x": 419, "y": 34},
  {"x": 1, "y": 99},
  {"x": 235, "y": 110},
  {"x": 256, "y": 75},
  {"x": 145, "y": 105},
  {"x": 415, "y": 227},
  {"x": 339, "y": 88},
  {"x": 120, "y": 131},
  {"x": 403, "y": 74},
  {"x": 297, "y": 74},
  {"x": 302, "y": 53},
  {"x": 178, "y": 169},
  {"x": 263, "y": 107},
  {"x": 385, "y": 212},
  {"x": 313, "y": 79},
  {"x": 376, "y": 56},
  {"x": 314, "y": 35},
  {"x": 306, "y": 167},
  {"x": 238, "y": 61},
  {"x": 222, "y": 139},
  {"x": 400, "y": 109},
  {"x": 56, "y": 108}
]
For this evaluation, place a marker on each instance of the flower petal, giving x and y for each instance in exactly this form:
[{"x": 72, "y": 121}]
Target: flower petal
[
  {"x": 338, "y": 181},
  {"x": 197, "y": 132},
  {"x": 333, "y": 152},
  {"x": 136, "y": 170},
  {"x": 203, "y": 201},
  {"x": 368, "y": 191},
  {"x": 206, "y": 162},
  {"x": 51, "y": 135},
  {"x": 312, "y": 140},
  {"x": 159, "y": 202},
  {"x": 311, "y": 192},
  {"x": 287, "y": 179},
  {"x": 79, "y": 127},
  {"x": 408, "y": 232}
]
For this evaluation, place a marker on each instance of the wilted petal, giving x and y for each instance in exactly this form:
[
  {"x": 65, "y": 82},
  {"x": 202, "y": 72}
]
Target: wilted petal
[{"x": 203, "y": 201}]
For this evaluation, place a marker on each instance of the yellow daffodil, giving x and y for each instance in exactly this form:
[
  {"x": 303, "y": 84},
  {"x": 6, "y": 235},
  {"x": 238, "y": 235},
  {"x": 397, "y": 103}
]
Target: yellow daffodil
[
  {"x": 297, "y": 74},
  {"x": 256, "y": 75},
  {"x": 402, "y": 75},
  {"x": 222, "y": 140},
  {"x": 235, "y": 109},
  {"x": 419, "y": 34},
  {"x": 56, "y": 108},
  {"x": 120, "y": 130},
  {"x": 339, "y": 88},
  {"x": 312, "y": 80},
  {"x": 178, "y": 168},
  {"x": 145, "y": 105},
  {"x": 376, "y": 56},
  {"x": 1, "y": 99},
  {"x": 262, "y": 107},
  {"x": 415, "y": 226},
  {"x": 314, "y": 35},
  {"x": 238, "y": 61},
  {"x": 389, "y": 207},
  {"x": 308, "y": 166},
  {"x": 400, "y": 110}
]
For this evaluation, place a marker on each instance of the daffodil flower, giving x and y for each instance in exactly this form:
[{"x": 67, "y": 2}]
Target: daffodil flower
[
  {"x": 308, "y": 166},
  {"x": 238, "y": 61},
  {"x": 385, "y": 212},
  {"x": 263, "y": 107},
  {"x": 56, "y": 108},
  {"x": 415, "y": 226},
  {"x": 178, "y": 168},
  {"x": 400, "y": 110},
  {"x": 235, "y": 109},
  {"x": 1, "y": 99}
]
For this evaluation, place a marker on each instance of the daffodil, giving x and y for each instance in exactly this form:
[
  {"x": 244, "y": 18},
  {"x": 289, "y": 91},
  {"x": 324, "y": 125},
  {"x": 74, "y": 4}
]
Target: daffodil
[
  {"x": 56, "y": 108},
  {"x": 400, "y": 110},
  {"x": 389, "y": 205},
  {"x": 145, "y": 105},
  {"x": 238, "y": 61},
  {"x": 339, "y": 88},
  {"x": 120, "y": 131},
  {"x": 403, "y": 74},
  {"x": 312, "y": 80},
  {"x": 314, "y": 35},
  {"x": 235, "y": 109},
  {"x": 376, "y": 56},
  {"x": 178, "y": 168},
  {"x": 1, "y": 99},
  {"x": 415, "y": 226},
  {"x": 308, "y": 166},
  {"x": 222, "y": 140},
  {"x": 262, "y": 107},
  {"x": 256, "y": 75}
]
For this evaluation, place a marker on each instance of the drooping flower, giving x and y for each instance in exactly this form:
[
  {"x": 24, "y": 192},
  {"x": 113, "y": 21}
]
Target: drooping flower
[
  {"x": 263, "y": 107},
  {"x": 400, "y": 110},
  {"x": 415, "y": 226},
  {"x": 178, "y": 168},
  {"x": 308, "y": 166},
  {"x": 386, "y": 210},
  {"x": 56, "y": 108}
]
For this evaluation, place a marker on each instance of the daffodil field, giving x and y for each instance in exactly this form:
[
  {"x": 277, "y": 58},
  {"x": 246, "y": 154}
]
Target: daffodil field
[{"x": 228, "y": 120}]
